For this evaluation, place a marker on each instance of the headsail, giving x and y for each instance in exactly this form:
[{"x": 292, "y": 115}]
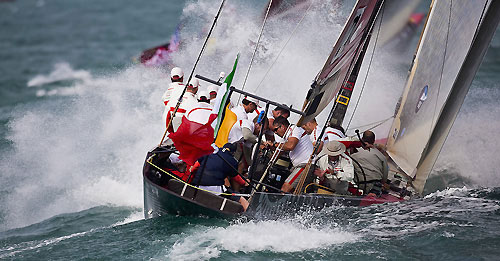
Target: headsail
[
  {"x": 453, "y": 43},
  {"x": 340, "y": 64}
]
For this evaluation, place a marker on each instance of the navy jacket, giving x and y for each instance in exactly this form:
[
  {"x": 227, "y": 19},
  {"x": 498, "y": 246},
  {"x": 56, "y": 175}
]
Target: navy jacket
[{"x": 216, "y": 169}]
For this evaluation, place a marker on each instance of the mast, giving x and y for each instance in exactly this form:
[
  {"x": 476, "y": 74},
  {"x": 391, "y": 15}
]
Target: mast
[{"x": 340, "y": 71}]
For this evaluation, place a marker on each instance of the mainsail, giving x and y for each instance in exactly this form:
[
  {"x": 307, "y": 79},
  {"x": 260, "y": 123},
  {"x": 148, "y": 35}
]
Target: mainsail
[
  {"x": 452, "y": 45},
  {"x": 338, "y": 69}
]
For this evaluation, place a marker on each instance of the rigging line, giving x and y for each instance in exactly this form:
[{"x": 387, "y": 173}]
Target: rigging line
[
  {"x": 369, "y": 66},
  {"x": 375, "y": 124},
  {"x": 284, "y": 46},
  {"x": 256, "y": 47},
  {"x": 192, "y": 72},
  {"x": 442, "y": 70}
]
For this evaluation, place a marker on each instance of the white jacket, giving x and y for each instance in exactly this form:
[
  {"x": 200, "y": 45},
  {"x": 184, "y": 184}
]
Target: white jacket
[{"x": 343, "y": 170}]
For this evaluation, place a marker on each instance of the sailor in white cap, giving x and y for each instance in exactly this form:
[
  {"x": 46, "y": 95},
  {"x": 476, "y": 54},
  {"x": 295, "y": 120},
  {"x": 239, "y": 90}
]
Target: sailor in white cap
[
  {"x": 212, "y": 92},
  {"x": 334, "y": 168},
  {"x": 202, "y": 111},
  {"x": 177, "y": 77},
  {"x": 188, "y": 102}
]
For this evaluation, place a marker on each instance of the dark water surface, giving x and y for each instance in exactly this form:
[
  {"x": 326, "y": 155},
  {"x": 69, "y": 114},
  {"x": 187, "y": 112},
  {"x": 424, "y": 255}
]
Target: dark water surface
[{"x": 77, "y": 116}]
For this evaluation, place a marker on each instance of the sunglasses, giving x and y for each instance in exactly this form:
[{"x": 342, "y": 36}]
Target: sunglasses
[{"x": 277, "y": 128}]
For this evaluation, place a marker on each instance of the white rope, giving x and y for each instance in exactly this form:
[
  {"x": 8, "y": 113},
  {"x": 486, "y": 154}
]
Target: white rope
[
  {"x": 256, "y": 47},
  {"x": 375, "y": 124},
  {"x": 369, "y": 64},
  {"x": 284, "y": 46}
]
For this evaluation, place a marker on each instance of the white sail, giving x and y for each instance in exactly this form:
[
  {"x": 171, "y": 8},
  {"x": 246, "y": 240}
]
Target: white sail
[{"x": 453, "y": 43}]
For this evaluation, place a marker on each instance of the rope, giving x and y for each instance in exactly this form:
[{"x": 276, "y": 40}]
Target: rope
[
  {"x": 377, "y": 123},
  {"x": 192, "y": 71},
  {"x": 275, "y": 156},
  {"x": 256, "y": 46},
  {"x": 284, "y": 46},
  {"x": 213, "y": 192},
  {"x": 319, "y": 186},
  {"x": 369, "y": 66}
]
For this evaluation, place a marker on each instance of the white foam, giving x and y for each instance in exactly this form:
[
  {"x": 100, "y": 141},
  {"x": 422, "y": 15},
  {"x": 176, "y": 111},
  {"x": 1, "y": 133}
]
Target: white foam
[
  {"x": 275, "y": 236},
  {"x": 72, "y": 155},
  {"x": 138, "y": 215},
  {"x": 62, "y": 71}
]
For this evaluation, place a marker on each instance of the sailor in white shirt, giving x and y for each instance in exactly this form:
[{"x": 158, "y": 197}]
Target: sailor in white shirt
[
  {"x": 300, "y": 149},
  {"x": 201, "y": 112},
  {"x": 312, "y": 128},
  {"x": 177, "y": 77},
  {"x": 334, "y": 168},
  {"x": 334, "y": 132},
  {"x": 188, "y": 102},
  {"x": 212, "y": 92},
  {"x": 248, "y": 105}
]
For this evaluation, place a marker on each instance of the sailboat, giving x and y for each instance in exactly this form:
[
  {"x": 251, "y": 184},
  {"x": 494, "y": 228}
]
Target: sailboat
[{"x": 452, "y": 45}]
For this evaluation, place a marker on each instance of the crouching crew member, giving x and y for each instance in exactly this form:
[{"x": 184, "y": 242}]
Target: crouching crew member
[
  {"x": 334, "y": 167},
  {"x": 215, "y": 168},
  {"x": 372, "y": 170}
]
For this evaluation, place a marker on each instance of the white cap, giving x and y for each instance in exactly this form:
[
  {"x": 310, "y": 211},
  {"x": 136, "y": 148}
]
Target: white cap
[
  {"x": 202, "y": 94},
  {"x": 222, "y": 75},
  {"x": 194, "y": 82},
  {"x": 250, "y": 99},
  {"x": 212, "y": 88},
  {"x": 176, "y": 71}
]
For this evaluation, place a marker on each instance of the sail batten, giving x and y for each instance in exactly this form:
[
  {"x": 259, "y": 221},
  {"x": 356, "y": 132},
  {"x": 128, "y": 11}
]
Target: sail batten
[{"x": 449, "y": 54}]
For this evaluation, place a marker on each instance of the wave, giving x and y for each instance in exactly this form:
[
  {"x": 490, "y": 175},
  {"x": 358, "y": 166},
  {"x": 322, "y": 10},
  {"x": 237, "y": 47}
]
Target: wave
[
  {"x": 278, "y": 237},
  {"x": 61, "y": 71}
]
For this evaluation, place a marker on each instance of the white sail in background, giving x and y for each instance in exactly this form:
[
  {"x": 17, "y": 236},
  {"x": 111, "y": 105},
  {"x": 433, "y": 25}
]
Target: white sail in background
[{"x": 453, "y": 43}]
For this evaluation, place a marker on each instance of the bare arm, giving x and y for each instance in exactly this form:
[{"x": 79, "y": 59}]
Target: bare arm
[{"x": 290, "y": 144}]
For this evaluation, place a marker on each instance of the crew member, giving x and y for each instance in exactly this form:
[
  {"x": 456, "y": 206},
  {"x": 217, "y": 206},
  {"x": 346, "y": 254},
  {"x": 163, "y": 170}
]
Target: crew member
[
  {"x": 212, "y": 91},
  {"x": 374, "y": 169},
  {"x": 311, "y": 127},
  {"x": 215, "y": 168},
  {"x": 177, "y": 77},
  {"x": 334, "y": 167},
  {"x": 334, "y": 132},
  {"x": 300, "y": 149},
  {"x": 188, "y": 102},
  {"x": 248, "y": 105}
]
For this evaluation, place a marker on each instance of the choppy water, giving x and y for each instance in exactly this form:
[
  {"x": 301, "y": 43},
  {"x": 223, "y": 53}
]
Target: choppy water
[{"x": 77, "y": 116}]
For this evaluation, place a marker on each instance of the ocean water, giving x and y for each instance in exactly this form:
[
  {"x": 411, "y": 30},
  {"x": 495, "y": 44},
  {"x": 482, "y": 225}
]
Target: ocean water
[{"x": 77, "y": 115}]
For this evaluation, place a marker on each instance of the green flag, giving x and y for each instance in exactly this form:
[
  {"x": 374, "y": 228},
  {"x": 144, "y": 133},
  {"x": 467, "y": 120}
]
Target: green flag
[{"x": 222, "y": 97}]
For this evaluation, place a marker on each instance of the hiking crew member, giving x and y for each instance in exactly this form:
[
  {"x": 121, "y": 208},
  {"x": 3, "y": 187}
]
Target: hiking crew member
[
  {"x": 300, "y": 149},
  {"x": 188, "y": 102},
  {"x": 177, "y": 77},
  {"x": 334, "y": 168},
  {"x": 373, "y": 163}
]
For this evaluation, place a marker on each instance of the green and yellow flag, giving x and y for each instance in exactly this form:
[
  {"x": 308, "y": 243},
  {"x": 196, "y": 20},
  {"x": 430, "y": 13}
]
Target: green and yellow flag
[{"x": 225, "y": 117}]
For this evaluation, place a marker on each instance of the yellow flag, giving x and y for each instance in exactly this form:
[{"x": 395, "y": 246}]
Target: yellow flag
[{"x": 225, "y": 127}]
